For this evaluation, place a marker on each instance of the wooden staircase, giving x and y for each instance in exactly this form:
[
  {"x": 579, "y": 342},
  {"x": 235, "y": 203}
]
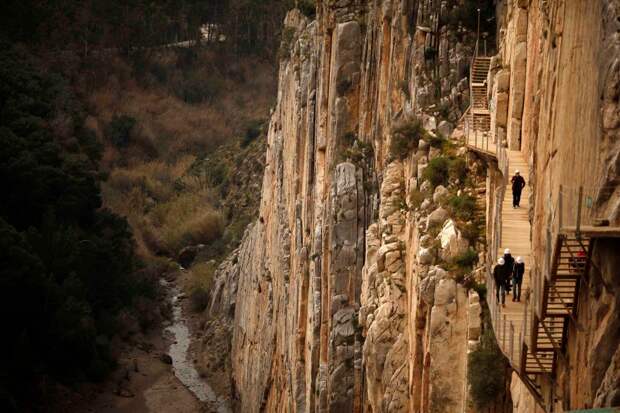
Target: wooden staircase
[
  {"x": 479, "y": 118},
  {"x": 557, "y": 303},
  {"x": 479, "y": 93}
]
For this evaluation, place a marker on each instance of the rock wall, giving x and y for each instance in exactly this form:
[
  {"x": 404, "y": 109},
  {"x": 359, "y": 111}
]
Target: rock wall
[
  {"x": 555, "y": 96},
  {"x": 344, "y": 296},
  {"x": 326, "y": 287}
]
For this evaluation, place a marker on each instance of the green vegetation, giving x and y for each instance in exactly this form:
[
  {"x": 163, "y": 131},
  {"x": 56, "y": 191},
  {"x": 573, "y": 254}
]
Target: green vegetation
[
  {"x": 462, "y": 207},
  {"x": 467, "y": 259},
  {"x": 486, "y": 368},
  {"x": 69, "y": 276},
  {"x": 405, "y": 137},
  {"x": 458, "y": 169},
  {"x": 202, "y": 282},
  {"x": 437, "y": 171}
]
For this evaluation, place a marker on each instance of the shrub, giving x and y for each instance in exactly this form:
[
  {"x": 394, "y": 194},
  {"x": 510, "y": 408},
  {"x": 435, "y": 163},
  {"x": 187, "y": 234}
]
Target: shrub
[
  {"x": 286, "y": 43},
  {"x": 467, "y": 259},
  {"x": 437, "y": 171},
  {"x": 458, "y": 169},
  {"x": 471, "y": 232},
  {"x": 202, "y": 278},
  {"x": 405, "y": 137},
  {"x": 252, "y": 131},
  {"x": 307, "y": 8},
  {"x": 118, "y": 131},
  {"x": 436, "y": 141},
  {"x": 486, "y": 369},
  {"x": 463, "y": 206}
]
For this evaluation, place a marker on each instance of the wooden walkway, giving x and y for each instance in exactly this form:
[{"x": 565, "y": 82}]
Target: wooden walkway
[{"x": 515, "y": 235}]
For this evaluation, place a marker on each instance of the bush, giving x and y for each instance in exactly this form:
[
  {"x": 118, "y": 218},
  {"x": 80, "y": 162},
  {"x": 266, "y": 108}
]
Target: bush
[
  {"x": 437, "y": 171},
  {"x": 466, "y": 259},
  {"x": 458, "y": 169},
  {"x": 286, "y": 43},
  {"x": 201, "y": 284},
  {"x": 253, "y": 131},
  {"x": 471, "y": 232},
  {"x": 118, "y": 131},
  {"x": 405, "y": 138},
  {"x": 436, "y": 141},
  {"x": 463, "y": 206},
  {"x": 486, "y": 368}
]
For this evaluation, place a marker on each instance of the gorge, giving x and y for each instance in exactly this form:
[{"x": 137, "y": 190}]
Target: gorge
[{"x": 353, "y": 290}]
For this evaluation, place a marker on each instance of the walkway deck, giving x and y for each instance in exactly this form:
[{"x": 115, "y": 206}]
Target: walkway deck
[{"x": 515, "y": 235}]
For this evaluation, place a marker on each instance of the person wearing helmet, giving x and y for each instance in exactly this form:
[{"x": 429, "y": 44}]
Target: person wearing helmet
[
  {"x": 500, "y": 275},
  {"x": 510, "y": 262},
  {"x": 518, "y": 183},
  {"x": 517, "y": 278}
]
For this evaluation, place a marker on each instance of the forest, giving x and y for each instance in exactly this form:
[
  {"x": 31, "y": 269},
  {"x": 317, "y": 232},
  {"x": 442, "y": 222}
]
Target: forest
[{"x": 74, "y": 274}]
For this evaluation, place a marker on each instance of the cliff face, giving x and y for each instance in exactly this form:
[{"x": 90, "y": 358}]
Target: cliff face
[
  {"x": 328, "y": 313},
  {"x": 344, "y": 295}
]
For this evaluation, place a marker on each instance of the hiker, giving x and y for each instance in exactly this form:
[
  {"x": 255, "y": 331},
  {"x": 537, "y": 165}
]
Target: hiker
[
  {"x": 518, "y": 183},
  {"x": 500, "y": 275},
  {"x": 517, "y": 278},
  {"x": 510, "y": 261},
  {"x": 578, "y": 263}
]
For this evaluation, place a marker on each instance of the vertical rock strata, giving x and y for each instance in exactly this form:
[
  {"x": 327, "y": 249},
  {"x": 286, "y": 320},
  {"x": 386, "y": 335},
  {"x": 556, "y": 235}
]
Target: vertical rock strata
[{"x": 338, "y": 293}]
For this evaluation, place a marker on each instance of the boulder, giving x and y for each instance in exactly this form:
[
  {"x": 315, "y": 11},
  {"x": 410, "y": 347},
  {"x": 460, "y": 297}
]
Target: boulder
[
  {"x": 437, "y": 217},
  {"x": 445, "y": 128},
  {"x": 425, "y": 256},
  {"x": 441, "y": 194}
]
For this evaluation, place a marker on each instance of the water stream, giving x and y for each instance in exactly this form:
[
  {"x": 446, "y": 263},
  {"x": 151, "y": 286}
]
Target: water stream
[{"x": 183, "y": 366}]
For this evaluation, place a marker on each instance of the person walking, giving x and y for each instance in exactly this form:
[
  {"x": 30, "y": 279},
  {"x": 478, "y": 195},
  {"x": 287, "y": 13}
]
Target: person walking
[
  {"x": 518, "y": 183},
  {"x": 500, "y": 275},
  {"x": 517, "y": 278},
  {"x": 510, "y": 262}
]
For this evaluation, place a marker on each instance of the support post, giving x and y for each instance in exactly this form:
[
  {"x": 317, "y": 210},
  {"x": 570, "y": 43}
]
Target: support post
[
  {"x": 560, "y": 208},
  {"x": 578, "y": 225}
]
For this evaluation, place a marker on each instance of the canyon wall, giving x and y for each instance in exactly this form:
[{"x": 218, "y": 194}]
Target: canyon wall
[
  {"x": 345, "y": 295},
  {"x": 339, "y": 304}
]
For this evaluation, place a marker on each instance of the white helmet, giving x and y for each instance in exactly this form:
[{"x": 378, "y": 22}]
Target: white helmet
[
  {"x": 517, "y": 171},
  {"x": 519, "y": 260},
  {"x": 507, "y": 251},
  {"x": 501, "y": 261}
]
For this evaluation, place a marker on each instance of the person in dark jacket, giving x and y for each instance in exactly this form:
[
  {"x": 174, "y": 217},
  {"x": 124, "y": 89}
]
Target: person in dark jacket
[
  {"x": 517, "y": 278},
  {"x": 518, "y": 183},
  {"x": 510, "y": 262},
  {"x": 500, "y": 275}
]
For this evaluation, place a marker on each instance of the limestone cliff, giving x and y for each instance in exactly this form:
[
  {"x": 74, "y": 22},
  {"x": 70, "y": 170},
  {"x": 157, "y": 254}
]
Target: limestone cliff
[{"x": 346, "y": 295}]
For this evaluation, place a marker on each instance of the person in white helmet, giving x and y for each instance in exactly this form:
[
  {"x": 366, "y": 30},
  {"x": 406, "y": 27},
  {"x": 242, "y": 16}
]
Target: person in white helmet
[
  {"x": 500, "y": 274},
  {"x": 518, "y": 183},
  {"x": 517, "y": 278},
  {"x": 510, "y": 262}
]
